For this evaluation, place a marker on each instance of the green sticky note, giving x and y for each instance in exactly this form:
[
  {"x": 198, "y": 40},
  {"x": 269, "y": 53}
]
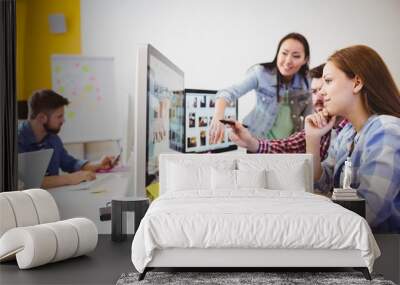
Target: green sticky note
[
  {"x": 98, "y": 191},
  {"x": 85, "y": 68},
  {"x": 58, "y": 68},
  {"x": 71, "y": 114},
  {"x": 88, "y": 88},
  {"x": 61, "y": 89}
]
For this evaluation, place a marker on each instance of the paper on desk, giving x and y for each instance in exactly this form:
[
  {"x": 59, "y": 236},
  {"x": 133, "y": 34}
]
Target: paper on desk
[
  {"x": 92, "y": 184},
  {"x": 118, "y": 168},
  {"x": 99, "y": 191}
]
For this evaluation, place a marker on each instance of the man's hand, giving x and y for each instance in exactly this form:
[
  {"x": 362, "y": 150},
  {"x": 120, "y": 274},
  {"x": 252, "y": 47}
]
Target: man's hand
[
  {"x": 242, "y": 137},
  {"x": 80, "y": 176},
  {"x": 107, "y": 162}
]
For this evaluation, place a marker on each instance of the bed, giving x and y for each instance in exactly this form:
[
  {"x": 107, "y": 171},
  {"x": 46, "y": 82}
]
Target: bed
[{"x": 247, "y": 210}]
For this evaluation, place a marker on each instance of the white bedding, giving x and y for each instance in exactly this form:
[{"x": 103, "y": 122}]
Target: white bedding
[{"x": 252, "y": 218}]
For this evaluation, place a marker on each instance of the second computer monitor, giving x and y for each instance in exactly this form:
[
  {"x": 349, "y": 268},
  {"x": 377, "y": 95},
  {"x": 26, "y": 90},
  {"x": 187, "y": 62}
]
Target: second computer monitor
[{"x": 199, "y": 111}]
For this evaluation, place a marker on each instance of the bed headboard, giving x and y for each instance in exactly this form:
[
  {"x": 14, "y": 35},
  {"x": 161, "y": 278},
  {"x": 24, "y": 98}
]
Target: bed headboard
[{"x": 267, "y": 160}]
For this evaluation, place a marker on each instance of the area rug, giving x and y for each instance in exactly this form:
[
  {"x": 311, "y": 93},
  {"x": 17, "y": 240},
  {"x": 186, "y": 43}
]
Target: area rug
[{"x": 230, "y": 278}]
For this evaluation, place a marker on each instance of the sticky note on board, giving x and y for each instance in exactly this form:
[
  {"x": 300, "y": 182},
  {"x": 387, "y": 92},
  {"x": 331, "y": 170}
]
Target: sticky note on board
[
  {"x": 61, "y": 89},
  {"x": 58, "y": 68},
  {"x": 85, "y": 68},
  {"x": 88, "y": 88},
  {"x": 71, "y": 114}
]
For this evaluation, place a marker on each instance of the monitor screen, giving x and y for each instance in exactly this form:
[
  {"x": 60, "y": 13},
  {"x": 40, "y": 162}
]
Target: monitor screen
[
  {"x": 200, "y": 106},
  {"x": 165, "y": 117},
  {"x": 158, "y": 116}
]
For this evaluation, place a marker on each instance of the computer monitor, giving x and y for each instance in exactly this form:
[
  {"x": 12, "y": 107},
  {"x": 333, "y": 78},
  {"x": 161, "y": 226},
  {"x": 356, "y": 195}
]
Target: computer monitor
[
  {"x": 159, "y": 87},
  {"x": 199, "y": 111}
]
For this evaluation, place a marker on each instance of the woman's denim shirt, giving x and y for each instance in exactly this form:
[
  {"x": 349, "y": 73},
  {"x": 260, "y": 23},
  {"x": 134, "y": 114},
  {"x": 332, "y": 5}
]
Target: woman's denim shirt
[{"x": 261, "y": 119}]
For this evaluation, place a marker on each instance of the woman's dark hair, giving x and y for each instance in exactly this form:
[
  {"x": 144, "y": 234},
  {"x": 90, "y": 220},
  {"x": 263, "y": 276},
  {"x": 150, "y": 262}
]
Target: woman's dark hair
[
  {"x": 303, "y": 70},
  {"x": 380, "y": 93}
]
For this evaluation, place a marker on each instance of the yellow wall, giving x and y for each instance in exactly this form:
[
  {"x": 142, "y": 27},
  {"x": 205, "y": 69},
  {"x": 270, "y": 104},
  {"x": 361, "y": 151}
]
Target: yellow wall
[
  {"x": 35, "y": 43},
  {"x": 21, "y": 32}
]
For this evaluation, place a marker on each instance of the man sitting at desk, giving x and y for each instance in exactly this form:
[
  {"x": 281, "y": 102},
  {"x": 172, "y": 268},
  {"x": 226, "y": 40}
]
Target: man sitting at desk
[{"x": 46, "y": 117}]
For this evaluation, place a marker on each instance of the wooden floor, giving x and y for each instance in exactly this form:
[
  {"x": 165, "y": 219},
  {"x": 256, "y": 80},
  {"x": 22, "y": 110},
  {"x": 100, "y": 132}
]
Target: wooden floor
[
  {"x": 102, "y": 266},
  {"x": 110, "y": 259}
]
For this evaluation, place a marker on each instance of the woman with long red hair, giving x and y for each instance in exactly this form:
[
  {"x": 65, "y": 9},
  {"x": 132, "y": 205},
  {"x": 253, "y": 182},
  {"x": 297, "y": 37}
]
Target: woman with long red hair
[{"x": 359, "y": 87}]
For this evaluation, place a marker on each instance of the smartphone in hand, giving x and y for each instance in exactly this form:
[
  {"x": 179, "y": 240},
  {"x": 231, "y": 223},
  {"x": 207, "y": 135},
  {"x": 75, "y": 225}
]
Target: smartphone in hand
[{"x": 116, "y": 159}]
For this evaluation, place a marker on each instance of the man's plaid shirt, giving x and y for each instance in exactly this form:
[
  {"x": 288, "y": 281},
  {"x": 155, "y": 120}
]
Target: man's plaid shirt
[{"x": 296, "y": 143}]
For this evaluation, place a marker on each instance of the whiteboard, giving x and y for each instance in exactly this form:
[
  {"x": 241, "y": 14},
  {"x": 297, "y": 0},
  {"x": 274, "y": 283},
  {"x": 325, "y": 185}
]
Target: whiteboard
[{"x": 88, "y": 83}]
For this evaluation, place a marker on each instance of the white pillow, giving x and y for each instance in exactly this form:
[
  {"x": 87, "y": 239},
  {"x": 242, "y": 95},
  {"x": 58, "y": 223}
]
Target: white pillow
[
  {"x": 223, "y": 179},
  {"x": 226, "y": 179},
  {"x": 187, "y": 177},
  {"x": 282, "y": 173},
  {"x": 292, "y": 179},
  {"x": 193, "y": 174},
  {"x": 251, "y": 178}
]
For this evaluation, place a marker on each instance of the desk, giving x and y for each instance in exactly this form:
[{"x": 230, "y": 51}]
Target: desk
[{"x": 74, "y": 203}]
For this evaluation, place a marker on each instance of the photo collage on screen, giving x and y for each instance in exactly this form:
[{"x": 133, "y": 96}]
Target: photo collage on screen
[
  {"x": 176, "y": 121},
  {"x": 199, "y": 113},
  {"x": 165, "y": 114}
]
